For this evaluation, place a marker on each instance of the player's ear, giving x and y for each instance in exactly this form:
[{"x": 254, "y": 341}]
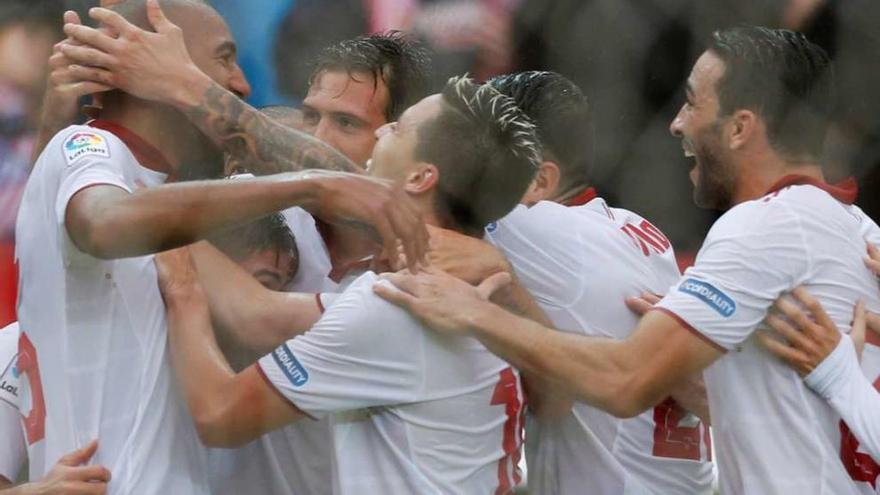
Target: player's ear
[
  {"x": 421, "y": 179},
  {"x": 743, "y": 126},
  {"x": 544, "y": 185}
]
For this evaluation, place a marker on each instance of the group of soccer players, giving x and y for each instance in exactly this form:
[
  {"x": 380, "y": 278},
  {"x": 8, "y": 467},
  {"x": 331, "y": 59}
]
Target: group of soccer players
[{"x": 396, "y": 288}]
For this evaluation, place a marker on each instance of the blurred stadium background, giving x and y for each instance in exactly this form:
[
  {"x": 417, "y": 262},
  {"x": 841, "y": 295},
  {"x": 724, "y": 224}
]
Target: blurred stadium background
[{"x": 631, "y": 57}]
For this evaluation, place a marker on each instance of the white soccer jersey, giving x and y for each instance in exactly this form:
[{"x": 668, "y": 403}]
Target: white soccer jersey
[
  {"x": 772, "y": 434},
  {"x": 93, "y": 355},
  {"x": 13, "y": 452},
  {"x": 413, "y": 412},
  {"x": 580, "y": 263},
  {"x": 296, "y": 459}
]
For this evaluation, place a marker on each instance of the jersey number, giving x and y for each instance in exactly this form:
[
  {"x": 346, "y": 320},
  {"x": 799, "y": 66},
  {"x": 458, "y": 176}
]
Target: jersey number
[
  {"x": 859, "y": 465},
  {"x": 35, "y": 421},
  {"x": 507, "y": 393},
  {"x": 645, "y": 235},
  {"x": 671, "y": 439}
]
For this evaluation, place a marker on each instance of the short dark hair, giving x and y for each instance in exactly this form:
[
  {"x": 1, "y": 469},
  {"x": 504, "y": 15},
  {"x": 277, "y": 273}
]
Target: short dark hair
[
  {"x": 394, "y": 57},
  {"x": 562, "y": 116},
  {"x": 269, "y": 232},
  {"x": 782, "y": 76},
  {"x": 486, "y": 151}
]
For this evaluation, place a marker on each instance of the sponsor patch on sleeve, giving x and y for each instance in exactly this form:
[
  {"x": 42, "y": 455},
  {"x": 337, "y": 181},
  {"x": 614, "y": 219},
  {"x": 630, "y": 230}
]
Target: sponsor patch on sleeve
[
  {"x": 85, "y": 143},
  {"x": 291, "y": 367},
  {"x": 709, "y": 294}
]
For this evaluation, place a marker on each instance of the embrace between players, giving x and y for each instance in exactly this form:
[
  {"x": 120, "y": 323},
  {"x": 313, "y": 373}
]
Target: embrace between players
[{"x": 355, "y": 379}]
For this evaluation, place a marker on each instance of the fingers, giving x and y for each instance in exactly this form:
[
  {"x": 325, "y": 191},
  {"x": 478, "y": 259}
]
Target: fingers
[
  {"x": 157, "y": 18},
  {"x": 80, "y": 456},
  {"x": 71, "y": 17},
  {"x": 792, "y": 335},
  {"x": 800, "y": 319},
  {"x": 87, "y": 55},
  {"x": 91, "y": 74},
  {"x": 393, "y": 294},
  {"x": 815, "y": 308},
  {"x": 872, "y": 322},
  {"x": 90, "y": 473},
  {"x": 113, "y": 20},
  {"x": 89, "y": 488},
  {"x": 403, "y": 281},
  {"x": 638, "y": 305},
  {"x": 92, "y": 37},
  {"x": 857, "y": 334},
  {"x": 651, "y": 297},
  {"x": 793, "y": 356},
  {"x": 493, "y": 284}
]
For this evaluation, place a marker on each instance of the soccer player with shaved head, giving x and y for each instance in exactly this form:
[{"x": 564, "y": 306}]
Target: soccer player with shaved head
[{"x": 94, "y": 210}]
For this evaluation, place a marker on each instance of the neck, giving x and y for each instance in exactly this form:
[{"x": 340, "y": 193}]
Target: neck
[
  {"x": 760, "y": 174},
  {"x": 158, "y": 126}
]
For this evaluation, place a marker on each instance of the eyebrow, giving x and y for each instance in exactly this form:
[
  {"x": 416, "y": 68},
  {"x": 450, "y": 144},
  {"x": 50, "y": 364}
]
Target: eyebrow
[
  {"x": 689, "y": 89},
  {"x": 228, "y": 47}
]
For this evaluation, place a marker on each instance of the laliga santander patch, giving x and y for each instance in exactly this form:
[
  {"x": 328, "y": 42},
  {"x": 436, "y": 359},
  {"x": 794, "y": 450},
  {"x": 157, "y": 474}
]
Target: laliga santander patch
[{"x": 85, "y": 143}]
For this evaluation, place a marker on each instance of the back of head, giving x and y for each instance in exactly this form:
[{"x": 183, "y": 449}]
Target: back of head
[
  {"x": 486, "y": 151},
  {"x": 393, "y": 57},
  {"x": 135, "y": 11},
  {"x": 268, "y": 233},
  {"x": 34, "y": 14},
  {"x": 784, "y": 78},
  {"x": 562, "y": 116}
]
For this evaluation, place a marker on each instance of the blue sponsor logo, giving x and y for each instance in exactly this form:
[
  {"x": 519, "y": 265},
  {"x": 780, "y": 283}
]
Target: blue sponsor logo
[
  {"x": 491, "y": 227},
  {"x": 709, "y": 294},
  {"x": 288, "y": 363}
]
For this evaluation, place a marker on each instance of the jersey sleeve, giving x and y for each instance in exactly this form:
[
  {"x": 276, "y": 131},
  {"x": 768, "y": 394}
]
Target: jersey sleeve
[
  {"x": 751, "y": 256},
  {"x": 363, "y": 352},
  {"x": 90, "y": 157}
]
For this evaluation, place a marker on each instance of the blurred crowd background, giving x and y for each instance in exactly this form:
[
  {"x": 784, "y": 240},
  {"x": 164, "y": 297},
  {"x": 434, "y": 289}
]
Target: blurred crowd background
[{"x": 631, "y": 57}]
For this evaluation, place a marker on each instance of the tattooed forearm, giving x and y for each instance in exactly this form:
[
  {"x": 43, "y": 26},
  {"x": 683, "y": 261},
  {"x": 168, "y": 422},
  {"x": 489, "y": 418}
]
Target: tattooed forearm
[{"x": 267, "y": 146}]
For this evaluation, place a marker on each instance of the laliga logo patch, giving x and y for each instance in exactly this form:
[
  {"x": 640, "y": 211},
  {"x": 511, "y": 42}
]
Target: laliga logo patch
[
  {"x": 288, "y": 363},
  {"x": 492, "y": 227},
  {"x": 81, "y": 144},
  {"x": 717, "y": 300}
]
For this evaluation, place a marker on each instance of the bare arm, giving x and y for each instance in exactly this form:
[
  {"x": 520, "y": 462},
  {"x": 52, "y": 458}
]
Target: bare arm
[
  {"x": 621, "y": 377},
  {"x": 107, "y": 222},
  {"x": 228, "y": 409},
  {"x": 244, "y": 311},
  {"x": 156, "y": 66}
]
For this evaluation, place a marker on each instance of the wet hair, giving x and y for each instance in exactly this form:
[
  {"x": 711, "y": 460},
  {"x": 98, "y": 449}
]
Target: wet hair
[
  {"x": 398, "y": 60},
  {"x": 486, "y": 151},
  {"x": 562, "y": 116},
  {"x": 784, "y": 78},
  {"x": 268, "y": 233}
]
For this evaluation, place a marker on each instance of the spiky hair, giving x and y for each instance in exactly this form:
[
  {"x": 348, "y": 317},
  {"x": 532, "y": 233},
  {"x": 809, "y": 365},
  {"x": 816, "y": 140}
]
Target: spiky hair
[
  {"x": 486, "y": 151},
  {"x": 499, "y": 113}
]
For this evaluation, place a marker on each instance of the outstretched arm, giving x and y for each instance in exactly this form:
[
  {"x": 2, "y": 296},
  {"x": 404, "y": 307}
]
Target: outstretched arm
[
  {"x": 621, "y": 377},
  {"x": 107, "y": 222},
  {"x": 157, "y": 67},
  {"x": 228, "y": 409}
]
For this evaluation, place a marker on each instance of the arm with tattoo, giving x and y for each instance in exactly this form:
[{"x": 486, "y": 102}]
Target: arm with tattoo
[{"x": 268, "y": 146}]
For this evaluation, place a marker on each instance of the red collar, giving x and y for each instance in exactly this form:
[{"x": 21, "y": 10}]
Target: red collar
[
  {"x": 583, "y": 197},
  {"x": 338, "y": 272},
  {"x": 845, "y": 191},
  {"x": 145, "y": 153}
]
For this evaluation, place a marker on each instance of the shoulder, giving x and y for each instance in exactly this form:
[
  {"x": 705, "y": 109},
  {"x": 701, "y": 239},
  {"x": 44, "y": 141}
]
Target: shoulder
[
  {"x": 79, "y": 142},
  {"x": 358, "y": 313}
]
